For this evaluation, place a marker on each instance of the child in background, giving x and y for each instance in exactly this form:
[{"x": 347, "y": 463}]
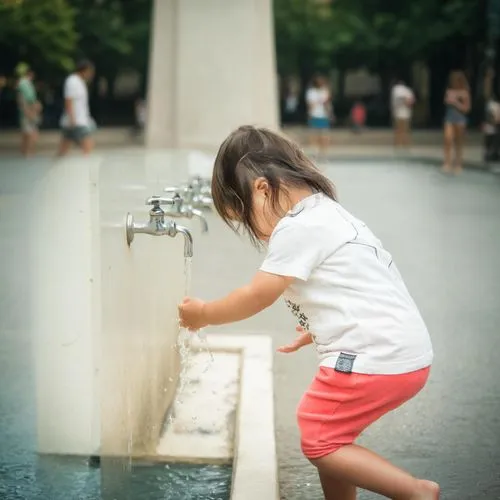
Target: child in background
[
  {"x": 347, "y": 294},
  {"x": 358, "y": 116}
]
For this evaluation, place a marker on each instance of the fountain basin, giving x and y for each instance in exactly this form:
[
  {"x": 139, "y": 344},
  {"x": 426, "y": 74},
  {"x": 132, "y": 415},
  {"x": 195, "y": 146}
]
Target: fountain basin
[{"x": 234, "y": 410}]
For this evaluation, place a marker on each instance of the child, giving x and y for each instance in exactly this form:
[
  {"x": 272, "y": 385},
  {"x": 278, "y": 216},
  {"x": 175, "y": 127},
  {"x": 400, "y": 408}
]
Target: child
[
  {"x": 358, "y": 116},
  {"x": 349, "y": 298}
]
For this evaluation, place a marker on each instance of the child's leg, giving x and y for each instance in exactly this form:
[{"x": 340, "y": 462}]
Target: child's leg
[
  {"x": 448, "y": 145},
  {"x": 335, "y": 410},
  {"x": 361, "y": 467},
  {"x": 336, "y": 489}
]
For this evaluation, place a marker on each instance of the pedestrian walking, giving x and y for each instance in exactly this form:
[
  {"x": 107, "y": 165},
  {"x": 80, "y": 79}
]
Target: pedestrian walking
[
  {"x": 457, "y": 102},
  {"x": 29, "y": 108},
  {"x": 76, "y": 122},
  {"x": 349, "y": 299},
  {"x": 491, "y": 130}
]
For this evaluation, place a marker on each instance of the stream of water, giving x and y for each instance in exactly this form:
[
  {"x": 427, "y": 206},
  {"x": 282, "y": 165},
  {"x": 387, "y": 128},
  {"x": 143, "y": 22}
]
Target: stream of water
[{"x": 184, "y": 340}]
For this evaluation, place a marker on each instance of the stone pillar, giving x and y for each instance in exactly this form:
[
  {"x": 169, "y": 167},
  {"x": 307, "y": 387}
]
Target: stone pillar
[{"x": 212, "y": 68}]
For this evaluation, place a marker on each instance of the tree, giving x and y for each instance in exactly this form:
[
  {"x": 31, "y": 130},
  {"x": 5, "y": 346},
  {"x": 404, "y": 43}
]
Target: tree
[
  {"x": 113, "y": 34},
  {"x": 386, "y": 35},
  {"x": 39, "y": 32},
  {"x": 303, "y": 36}
]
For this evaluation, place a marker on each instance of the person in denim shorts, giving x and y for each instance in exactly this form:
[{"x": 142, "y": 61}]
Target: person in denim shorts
[{"x": 76, "y": 122}]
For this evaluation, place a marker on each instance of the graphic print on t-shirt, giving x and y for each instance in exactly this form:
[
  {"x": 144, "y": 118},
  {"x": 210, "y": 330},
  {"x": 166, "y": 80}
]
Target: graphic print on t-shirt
[{"x": 295, "y": 308}]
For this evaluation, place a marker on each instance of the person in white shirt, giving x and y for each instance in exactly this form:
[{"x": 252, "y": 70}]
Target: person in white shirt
[
  {"x": 349, "y": 299},
  {"x": 402, "y": 100},
  {"x": 76, "y": 123},
  {"x": 320, "y": 113}
]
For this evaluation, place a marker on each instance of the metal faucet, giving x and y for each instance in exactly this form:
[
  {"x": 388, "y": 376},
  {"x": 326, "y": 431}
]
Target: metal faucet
[
  {"x": 202, "y": 192},
  {"x": 197, "y": 193},
  {"x": 180, "y": 209},
  {"x": 158, "y": 226}
]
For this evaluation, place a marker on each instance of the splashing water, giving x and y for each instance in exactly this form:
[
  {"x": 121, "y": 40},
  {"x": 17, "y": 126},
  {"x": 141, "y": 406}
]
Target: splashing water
[
  {"x": 184, "y": 344},
  {"x": 187, "y": 287}
]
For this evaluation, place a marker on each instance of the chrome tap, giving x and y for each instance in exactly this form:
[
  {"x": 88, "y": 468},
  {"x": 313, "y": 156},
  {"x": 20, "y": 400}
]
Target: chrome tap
[
  {"x": 158, "y": 226},
  {"x": 182, "y": 206},
  {"x": 197, "y": 193}
]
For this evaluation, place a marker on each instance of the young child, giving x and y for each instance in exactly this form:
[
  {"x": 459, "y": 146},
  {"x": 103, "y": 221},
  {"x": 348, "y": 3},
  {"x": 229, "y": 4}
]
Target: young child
[
  {"x": 349, "y": 298},
  {"x": 358, "y": 117}
]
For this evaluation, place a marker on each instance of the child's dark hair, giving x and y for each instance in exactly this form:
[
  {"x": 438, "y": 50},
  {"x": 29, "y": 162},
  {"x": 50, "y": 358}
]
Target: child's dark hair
[{"x": 249, "y": 153}]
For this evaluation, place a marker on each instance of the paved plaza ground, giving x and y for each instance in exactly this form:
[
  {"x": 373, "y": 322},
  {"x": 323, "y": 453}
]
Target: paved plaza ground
[
  {"x": 372, "y": 143},
  {"x": 444, "y": 234}
]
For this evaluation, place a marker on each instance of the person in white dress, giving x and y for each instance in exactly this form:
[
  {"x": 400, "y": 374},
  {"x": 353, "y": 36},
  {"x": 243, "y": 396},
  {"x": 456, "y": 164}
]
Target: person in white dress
[
  {"x": 320, "y": 113},
  {"x": 402, "y": 101}
]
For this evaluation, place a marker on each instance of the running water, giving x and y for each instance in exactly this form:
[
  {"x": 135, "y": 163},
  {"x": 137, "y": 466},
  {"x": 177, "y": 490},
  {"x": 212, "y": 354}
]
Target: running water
[
  {"x": 200, "y": 333},
  {"x": 184, "y": 344}
]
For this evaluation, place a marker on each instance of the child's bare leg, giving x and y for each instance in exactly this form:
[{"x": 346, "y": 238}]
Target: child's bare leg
[
  {"x": 459, "y": 144},
  {"x": 363, "y": 468},
  {"x": 336, "y": 489},
  {"x": 448, "y": 145}
]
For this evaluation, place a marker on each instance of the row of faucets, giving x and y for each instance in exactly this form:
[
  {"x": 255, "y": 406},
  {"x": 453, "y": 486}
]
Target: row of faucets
[{"x": 186, "y": 201}]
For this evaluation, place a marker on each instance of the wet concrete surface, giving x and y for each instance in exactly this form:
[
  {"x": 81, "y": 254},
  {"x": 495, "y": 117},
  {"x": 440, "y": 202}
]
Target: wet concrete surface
[{"x": 444, "y": 234}]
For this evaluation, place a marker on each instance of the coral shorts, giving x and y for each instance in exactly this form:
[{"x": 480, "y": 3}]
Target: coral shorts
[{"x": 338, "y": 406}]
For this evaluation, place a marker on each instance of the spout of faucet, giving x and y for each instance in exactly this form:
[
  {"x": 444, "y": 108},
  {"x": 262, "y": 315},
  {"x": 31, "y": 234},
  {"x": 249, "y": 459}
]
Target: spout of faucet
[
  {"x": 188, "y": 240},
  {"x": 203, "y": 220}
]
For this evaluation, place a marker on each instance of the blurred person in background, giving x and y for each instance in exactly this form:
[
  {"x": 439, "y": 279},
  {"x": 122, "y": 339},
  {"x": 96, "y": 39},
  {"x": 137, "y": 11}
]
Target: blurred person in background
[
  {"x": 76, "y": 122},
  {"x": 358, "y": 116},
  {"x": 457, "y": 102},
  {"x": 491, "y": 130},
  {"x": 29, "y": 109},
  {"x": 402, "y": 101},
  {"x": 291, "y": 102},
  {"x": 140, "y": 114},
  {"x": 320, "y": 113},
  {"x": 3, "y": 84}
]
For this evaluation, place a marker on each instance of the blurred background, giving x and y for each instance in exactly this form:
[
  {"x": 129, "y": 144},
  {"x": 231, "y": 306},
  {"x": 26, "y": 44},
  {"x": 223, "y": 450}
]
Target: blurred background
[{"x": 361, "y": 46}]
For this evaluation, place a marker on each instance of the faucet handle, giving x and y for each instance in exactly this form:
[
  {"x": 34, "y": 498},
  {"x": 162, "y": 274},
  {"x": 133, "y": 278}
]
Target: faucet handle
[
  {"x": 156, "y": 201},
  {"x": 186, "y": 192},
  {"x": 173, "y": 190}
]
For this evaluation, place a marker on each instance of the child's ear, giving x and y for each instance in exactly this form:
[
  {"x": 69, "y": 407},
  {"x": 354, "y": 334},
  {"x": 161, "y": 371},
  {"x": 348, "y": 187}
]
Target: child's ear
[{"x": 261, "y": 186}]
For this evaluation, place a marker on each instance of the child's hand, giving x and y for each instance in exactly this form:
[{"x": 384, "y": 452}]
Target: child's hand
[
  {"x": 191, "y": 314},
  {"x": 304, "y": 338}
]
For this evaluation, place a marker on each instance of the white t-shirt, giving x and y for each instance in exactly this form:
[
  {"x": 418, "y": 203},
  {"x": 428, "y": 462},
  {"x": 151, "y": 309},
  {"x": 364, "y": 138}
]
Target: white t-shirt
[
  {"x": 348, "y": 292},
  {"x": 315, "y": 99},
  {"x": 75, "y": 89},
  {"x": 400, "y": 96}
]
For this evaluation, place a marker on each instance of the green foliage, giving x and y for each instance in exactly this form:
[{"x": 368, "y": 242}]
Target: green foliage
[
  {"x": 113, "y": 33},
  {"x": 377, "y": 34},
  {"x": 39, "y": 32},
  {"x": 390, "y": 32},
  {"x": 303, "y": 38},
  {"x": 50, "y": 34}
]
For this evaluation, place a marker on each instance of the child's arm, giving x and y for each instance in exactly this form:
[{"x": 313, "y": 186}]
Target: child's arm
[{"x": 240, "y": 304}]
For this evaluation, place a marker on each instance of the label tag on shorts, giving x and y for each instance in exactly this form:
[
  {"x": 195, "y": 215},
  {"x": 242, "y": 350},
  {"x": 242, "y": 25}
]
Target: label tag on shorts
[{"x": 345, "y": 362}]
